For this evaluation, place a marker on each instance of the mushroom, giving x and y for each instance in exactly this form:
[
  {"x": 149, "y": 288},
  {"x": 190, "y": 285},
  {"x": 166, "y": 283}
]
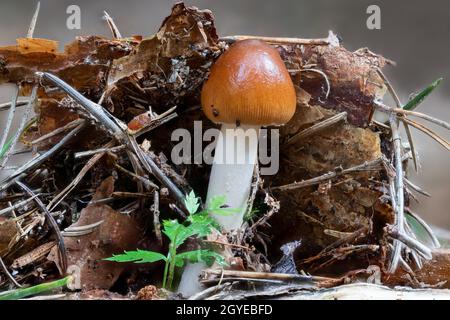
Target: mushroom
[{"x": 248, "y": 87}]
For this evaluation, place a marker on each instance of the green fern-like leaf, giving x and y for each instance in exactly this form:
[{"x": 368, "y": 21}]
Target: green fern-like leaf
[
  {"x": 192, "y": 203},
  {"x": 138, "y": 256},
  {"x": 171, "y": 228},
  {"x": 200, "y": 226}
]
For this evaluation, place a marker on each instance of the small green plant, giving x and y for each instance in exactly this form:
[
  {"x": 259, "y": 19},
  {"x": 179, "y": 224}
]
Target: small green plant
[
  {"x": 35, "y": 290},
  {"x": 198, "y": 224}
]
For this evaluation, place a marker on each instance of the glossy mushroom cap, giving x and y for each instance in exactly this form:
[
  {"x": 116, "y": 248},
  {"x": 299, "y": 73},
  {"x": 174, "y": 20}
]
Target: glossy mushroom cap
[{"x": 249, "y": 84}]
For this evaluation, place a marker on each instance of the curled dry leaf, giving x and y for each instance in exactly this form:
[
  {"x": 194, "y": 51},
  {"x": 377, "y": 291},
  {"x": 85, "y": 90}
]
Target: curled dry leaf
[{"x": 117, "y": 233}]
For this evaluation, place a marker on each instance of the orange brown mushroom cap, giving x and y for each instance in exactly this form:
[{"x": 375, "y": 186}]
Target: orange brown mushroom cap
[{"x": 249, "y": 84}]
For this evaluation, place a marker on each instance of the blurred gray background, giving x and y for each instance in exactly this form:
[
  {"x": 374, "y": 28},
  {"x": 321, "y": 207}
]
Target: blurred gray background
[{"x": 415, "y": 34}]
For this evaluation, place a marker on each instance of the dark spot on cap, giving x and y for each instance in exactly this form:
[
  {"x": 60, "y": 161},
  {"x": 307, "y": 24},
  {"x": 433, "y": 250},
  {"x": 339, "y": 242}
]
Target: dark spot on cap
[
  {"x": 238, "y": 123},
  {"x": 215, "y": 112}
]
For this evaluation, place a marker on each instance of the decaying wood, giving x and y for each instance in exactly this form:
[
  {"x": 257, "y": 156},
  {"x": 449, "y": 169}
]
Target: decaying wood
[{"x": 356, "y": 291}]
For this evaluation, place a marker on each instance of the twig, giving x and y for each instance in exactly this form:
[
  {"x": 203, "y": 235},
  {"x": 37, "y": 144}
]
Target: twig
[
  {"x": 21, "y": 151},
  {"x": 348, "y": 239},
  {"x": 239, "y": 280},
  {"x": 423, "y": 250},
  {"x": 10, "y": 168},
  {"x": 149, "y": 185},
  {"x": 89, "y": 153},
  {"x": 397, "y": 246},
  {"x": 138, "y": 174},
  {"x": 399, "y": 190},
  {"x": 33, "y": 21},
  {"x": 81, "y": 230},
  {"x": 177, "y": 210},
  {"x": 368, "y": 165},
  {"x": 226, "y": 244},
  {"x": 317, "y": 127},
  {"x": 58, "y": 198},
  {"x": 39, "y": 159},
  {"x": 386, "y": 109},
  {"x": 52, "y": 222},
  {"x": 416, "y": 188},
  {"x": 343, "y": 252},
  {"x": 114, "y": 30},
  {"x": 264, "y": 275},
  {"x": 429, "y": 132},
  {"x": 125, "y": 194},
  {"x": 206, "y": 293},
  {"x": 399, "y": 106},
  {"x": 129, "y": 208},
  {"x": 16, "y": 206},
  {"x": 21, "y": 127},
  {"x": 8, "y": 274},
  {"x": 417, "y": 259},
  {"x": 414, "y": 255},
  {"x": 18, "y": 223},
  {"x": 98, "y": 112},
  {"x": 434, "y": 120},
  {"x": 85, "y": 227},
  {"x": 7, "y": 105},
  {"x": 274, "y": 208},
  {"x": 151, "y": 166},
  {"x": 411, "y": 144},
  {"x": 277, "y": 40},
  {"x": 59, "y": 130},
  {"x": 10, "y": 118},
  {"x": 156, "y": 223},
  {"x": 380, "y": 124}
]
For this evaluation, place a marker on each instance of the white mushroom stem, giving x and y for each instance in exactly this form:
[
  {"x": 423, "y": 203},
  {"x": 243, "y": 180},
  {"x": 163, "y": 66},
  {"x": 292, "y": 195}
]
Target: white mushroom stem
[
  {"x": 231, "y": 175},
  {"x": 232, "y": 171}
]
